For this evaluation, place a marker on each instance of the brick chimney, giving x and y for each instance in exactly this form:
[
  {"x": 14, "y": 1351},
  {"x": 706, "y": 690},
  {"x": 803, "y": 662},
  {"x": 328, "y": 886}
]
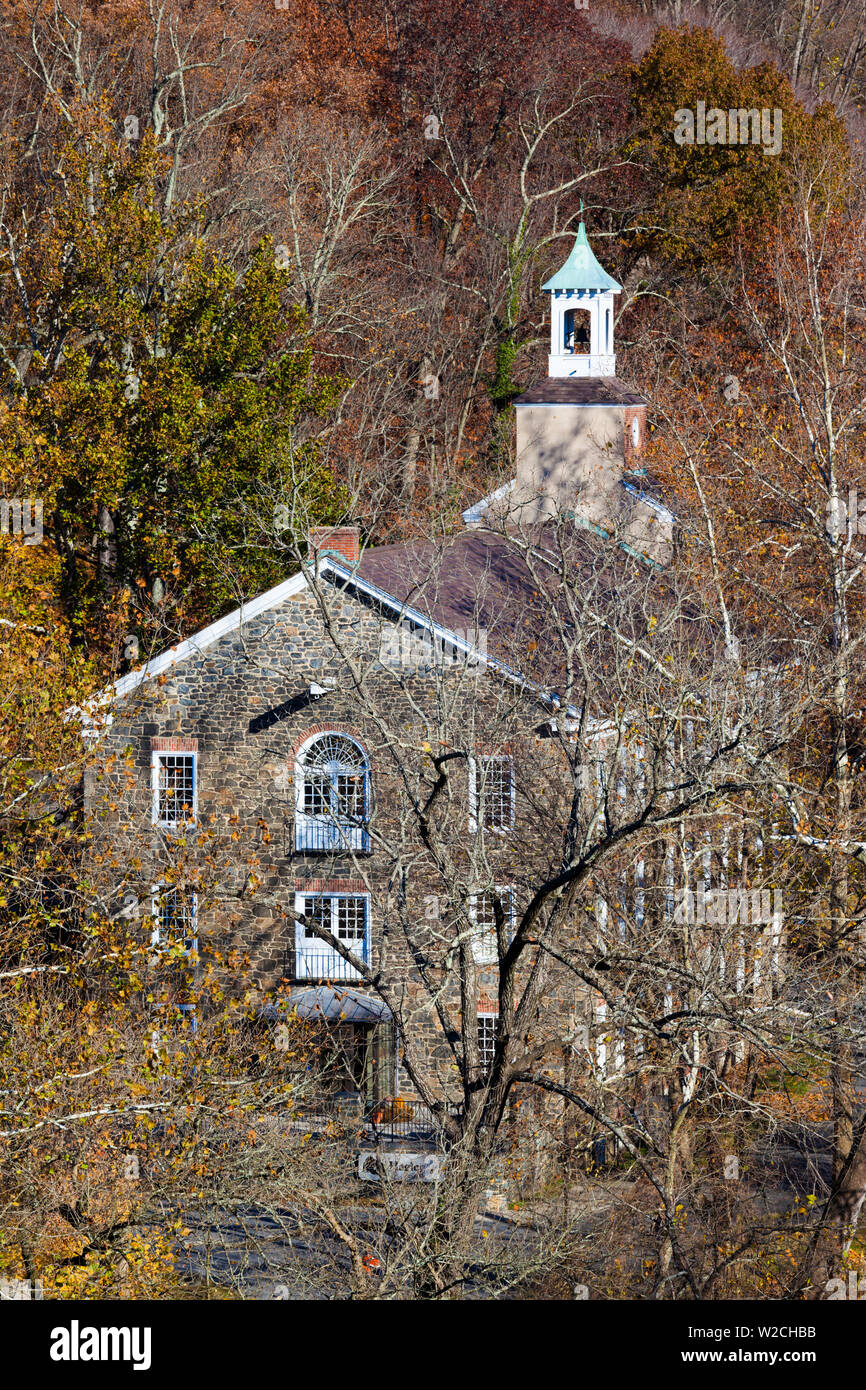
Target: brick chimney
[{"x": 342, "y": 542}]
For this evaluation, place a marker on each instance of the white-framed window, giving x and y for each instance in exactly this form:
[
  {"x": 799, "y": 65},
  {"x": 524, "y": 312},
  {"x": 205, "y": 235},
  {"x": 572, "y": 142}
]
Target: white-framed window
[
  {"x": 174, "y": 912},
  {"x": 332, "y": 794},
  {"x": 175, "y": 789},
  {"x": 482, "y": 910},
  {"x": 187, "y": 1018},
  {"x": 486, "y": 1019},
  {"x": 491, "y": 793},
  {"x": 601, "y": 1049},
  {"x": 347, "y": 917},
  {"x": 174, "y": 917}
]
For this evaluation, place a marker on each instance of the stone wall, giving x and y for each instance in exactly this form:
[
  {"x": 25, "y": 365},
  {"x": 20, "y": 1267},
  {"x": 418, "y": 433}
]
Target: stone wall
[{"x": 244, "y": 706}]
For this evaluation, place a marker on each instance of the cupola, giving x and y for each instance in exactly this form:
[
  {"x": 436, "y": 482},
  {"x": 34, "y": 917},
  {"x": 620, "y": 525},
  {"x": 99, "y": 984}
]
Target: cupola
[{"x": 581, "y": 315}]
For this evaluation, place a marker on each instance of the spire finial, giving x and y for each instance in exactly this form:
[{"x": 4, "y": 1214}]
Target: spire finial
[{"x": 581, "y": 209}]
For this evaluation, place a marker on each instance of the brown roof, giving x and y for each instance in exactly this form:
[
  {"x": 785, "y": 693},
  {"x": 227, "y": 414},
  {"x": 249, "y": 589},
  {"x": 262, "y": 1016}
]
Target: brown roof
[
  {"x": 473, "y": 577},
  {"x": 580, "y": 390},
  {"x": 480, "y": 581}
]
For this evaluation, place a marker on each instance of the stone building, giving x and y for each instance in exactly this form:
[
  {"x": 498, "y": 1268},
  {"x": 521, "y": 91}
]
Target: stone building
[{"x": 292, "y": 748}]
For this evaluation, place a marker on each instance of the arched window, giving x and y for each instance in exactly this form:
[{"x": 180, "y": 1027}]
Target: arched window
[
  {"x": 577, "y": 330},
  {"x": 332, "y": 778}
]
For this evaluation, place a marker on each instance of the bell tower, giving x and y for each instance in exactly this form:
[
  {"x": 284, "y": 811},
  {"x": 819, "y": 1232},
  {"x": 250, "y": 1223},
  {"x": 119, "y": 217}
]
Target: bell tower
[
  {"x": 581, "y": 315},
  {"x": 581, "y": 432}
]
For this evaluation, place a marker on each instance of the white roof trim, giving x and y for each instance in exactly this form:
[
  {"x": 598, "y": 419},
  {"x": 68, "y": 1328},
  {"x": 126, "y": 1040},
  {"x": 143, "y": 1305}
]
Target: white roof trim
[
  {"x": 414, "y": 615},
  {"x": 209, "y": 635},
  {"x": 473, "y": 514},
  {"x": 200, "y": 642},
  {"x": 650, "y": 501}
]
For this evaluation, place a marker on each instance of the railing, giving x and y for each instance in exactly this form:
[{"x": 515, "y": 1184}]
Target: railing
[
  {"x": 404, "y": 1119},
  {"x": 385, "y": 1120},
  {"x": 328, "y": 965},
  {"x": 323, "y": 834}
]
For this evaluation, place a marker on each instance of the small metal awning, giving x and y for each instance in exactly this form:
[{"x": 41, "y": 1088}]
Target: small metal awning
[{"x": 337, "y": 1005}]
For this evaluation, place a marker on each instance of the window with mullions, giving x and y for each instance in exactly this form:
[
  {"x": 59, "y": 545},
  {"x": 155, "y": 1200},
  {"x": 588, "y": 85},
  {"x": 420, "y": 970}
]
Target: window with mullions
[
  {"x": 332, "y": 779},
  {"x": 174, "y": 789},
  {"x": 491, "y": 793},
  {"x": 187, "y": 1019},
  {"x": 345, "y": 916},
  {"x": 174, "y": 919},
  {"x": 486, "y": 1040},
  {"x": 482, "y": 909}
]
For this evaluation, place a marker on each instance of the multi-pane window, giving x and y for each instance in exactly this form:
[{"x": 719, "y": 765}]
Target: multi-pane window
[
  {"x": 174, "y": 917},
  {"x": 483, "y": 913},
  {"x": 174, "y": 788},
  {"x": 486, "y": 1040},
  {"x": 492, "y": 793},
  {"x": 335, "y": 779},
  {"x": 333, "y": 795},
  {"x": 345, "y": 916},
  {"x": 187, "y": 1018}
]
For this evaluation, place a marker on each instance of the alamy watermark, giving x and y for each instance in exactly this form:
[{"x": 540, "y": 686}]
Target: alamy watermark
[
  {"x": 431, "y": 384},
  {"x": 729, "y": 906},
  {"x": 77, "y": 1343},
  {"x": 21, "y": 516},
  {"x": 846, "y": 516},
  {"x": 20, "y": 1290},
  {"x": 855, "y": 1290},
  {"x": 740, "y": 126},
  {"x": 422, "y": 650}
]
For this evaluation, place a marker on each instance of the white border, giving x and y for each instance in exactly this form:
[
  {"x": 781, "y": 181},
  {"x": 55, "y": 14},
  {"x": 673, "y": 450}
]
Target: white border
[
  {"x": 350, "y": 833},
  {"x": 322, "y": 947},
  {"x": 474, "y": 793},
  {"x": 479, "y": 937},
  {"x": 209, "y": 635},
  {"x": 177, "y": 825}
]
